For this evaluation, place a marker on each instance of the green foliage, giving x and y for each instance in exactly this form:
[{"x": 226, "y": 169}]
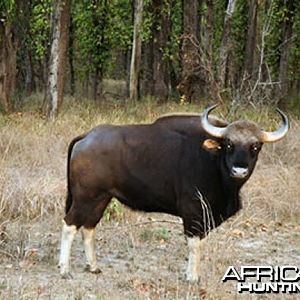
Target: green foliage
[
  {"x": 239, "y": 33},
  {"x": 173, "y": 9},
  {"x": 219, "y": 13},
  {"x": 278, "y": 14},
  {"x": 147, "y": 21},
  {"x": 103, "y": 31},
  {"x": 37, "y": 39},
  {"x": 100, "y": 26},
  {"x": 90, "y": 22},
  {"x": 114, "y": 211},
  {"x": 120, "y": 24},
  {"x": 173, "y": 49},
  {"x": 7, "y": 10},
  {"x": 274, "y": 16}
]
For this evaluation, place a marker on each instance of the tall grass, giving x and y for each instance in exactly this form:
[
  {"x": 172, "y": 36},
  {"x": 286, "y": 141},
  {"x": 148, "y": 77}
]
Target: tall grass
[
  {"x": 33, "y": 157},
  {"x": 33, "y": 186},
  {"x": 33, "y": 152}
]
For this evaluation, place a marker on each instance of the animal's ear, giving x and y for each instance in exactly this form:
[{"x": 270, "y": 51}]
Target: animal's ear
[{"x": 211, "y": 145}]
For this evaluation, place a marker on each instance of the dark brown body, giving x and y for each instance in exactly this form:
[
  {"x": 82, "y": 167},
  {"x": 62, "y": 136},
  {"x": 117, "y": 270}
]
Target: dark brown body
[
  {"x": 185, "y": 165},
  {"x": 159, "y": 167}
]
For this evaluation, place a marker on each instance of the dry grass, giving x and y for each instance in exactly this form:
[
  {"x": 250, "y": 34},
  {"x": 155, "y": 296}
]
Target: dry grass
[{"x": 32, "y": 192}]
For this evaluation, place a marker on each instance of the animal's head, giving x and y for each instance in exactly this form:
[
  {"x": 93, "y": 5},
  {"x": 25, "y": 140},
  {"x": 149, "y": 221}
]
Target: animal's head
[{"x": 239, "y": 143}]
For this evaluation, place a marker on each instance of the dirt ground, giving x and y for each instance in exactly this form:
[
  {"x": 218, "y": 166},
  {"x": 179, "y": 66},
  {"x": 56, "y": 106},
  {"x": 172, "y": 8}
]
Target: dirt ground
[
  {"x": 142, "y": 260},
  {"x": 142, "y": 256}
]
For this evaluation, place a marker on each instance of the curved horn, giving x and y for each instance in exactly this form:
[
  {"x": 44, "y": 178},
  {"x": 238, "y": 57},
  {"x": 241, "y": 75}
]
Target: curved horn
[
  {"x": 214, "y": 131},
  {"x": 271, "y": 137}
]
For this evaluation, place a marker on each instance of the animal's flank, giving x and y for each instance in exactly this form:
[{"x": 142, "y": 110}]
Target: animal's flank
[{"x": 69, "y": 195}]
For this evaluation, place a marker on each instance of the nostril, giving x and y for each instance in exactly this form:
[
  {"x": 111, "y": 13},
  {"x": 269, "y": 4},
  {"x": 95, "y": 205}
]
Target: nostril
[{"x": 239, "y": 172}]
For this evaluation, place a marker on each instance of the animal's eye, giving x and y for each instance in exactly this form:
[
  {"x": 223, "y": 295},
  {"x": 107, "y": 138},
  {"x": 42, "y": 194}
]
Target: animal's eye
[
  {"x": 229, "y": 146},
  {"x": 255, "y": 147}
]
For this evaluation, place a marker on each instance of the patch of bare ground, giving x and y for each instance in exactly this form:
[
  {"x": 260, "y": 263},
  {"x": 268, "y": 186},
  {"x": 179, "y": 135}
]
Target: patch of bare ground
[{"x": 142, "y": 256}]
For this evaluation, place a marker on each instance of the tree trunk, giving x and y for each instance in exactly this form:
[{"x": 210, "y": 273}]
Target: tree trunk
[
  {"x": 225, "y": 45},
  {"x": 86, "y": 84},
  {"x": 285, "y": 49},
  {"x": 251, "y": 39},
  {"x": 190, "y": 59},
  {"x": 136, "y": 52},
  {"x": 127, "y": 69},
  {"x": 71, "y": 58},
  {"x": 59, "y": 42},
  {"x": 97, "y": 83},
  {"x": 8, "y": 51},
  {"x": 147, "y": 81},
  {"x": 161, "y": 33},
  {"x": 209, "y": 28},
  {"x": 29, "y": 76}
]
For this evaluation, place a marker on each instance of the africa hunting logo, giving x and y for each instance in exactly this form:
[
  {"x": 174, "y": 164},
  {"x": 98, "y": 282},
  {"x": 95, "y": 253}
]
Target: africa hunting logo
[{"x": 265, "y": 279}]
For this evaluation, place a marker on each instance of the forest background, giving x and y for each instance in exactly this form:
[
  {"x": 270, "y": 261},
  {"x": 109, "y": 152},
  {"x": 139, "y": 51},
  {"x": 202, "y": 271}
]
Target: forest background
[
  {"x": 233, "y": 51},
  {"x": 89, "y": 62}
]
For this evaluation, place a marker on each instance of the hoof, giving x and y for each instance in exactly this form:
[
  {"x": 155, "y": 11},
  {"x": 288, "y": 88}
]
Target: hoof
[
  {"x": 92, "y": 270},
  {"x": 66, "y": 276},
  {"x": 192, "y": 278}
]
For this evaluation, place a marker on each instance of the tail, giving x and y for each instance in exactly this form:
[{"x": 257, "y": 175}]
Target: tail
[{"x": 69, "y": 199}]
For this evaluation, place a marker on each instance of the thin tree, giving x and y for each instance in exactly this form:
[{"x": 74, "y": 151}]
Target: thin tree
[
  {"x": 7, "y": 66},
  {"x": 161, "y": 34},
  {"x": 287, "y": 31},
  {"x": 190, "y": 59},
  {"x": 251, "y": 38},
  {"x": 209, "y": 28},
  {"x": 136, "y": 51},
  {"x": 225, "y": 44},
  {"x": 59, "y": 42},
  {"x": 9, "y": 17},
  {"x": 71, "y": 57},
  {"x": 100, "y": 18}
]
